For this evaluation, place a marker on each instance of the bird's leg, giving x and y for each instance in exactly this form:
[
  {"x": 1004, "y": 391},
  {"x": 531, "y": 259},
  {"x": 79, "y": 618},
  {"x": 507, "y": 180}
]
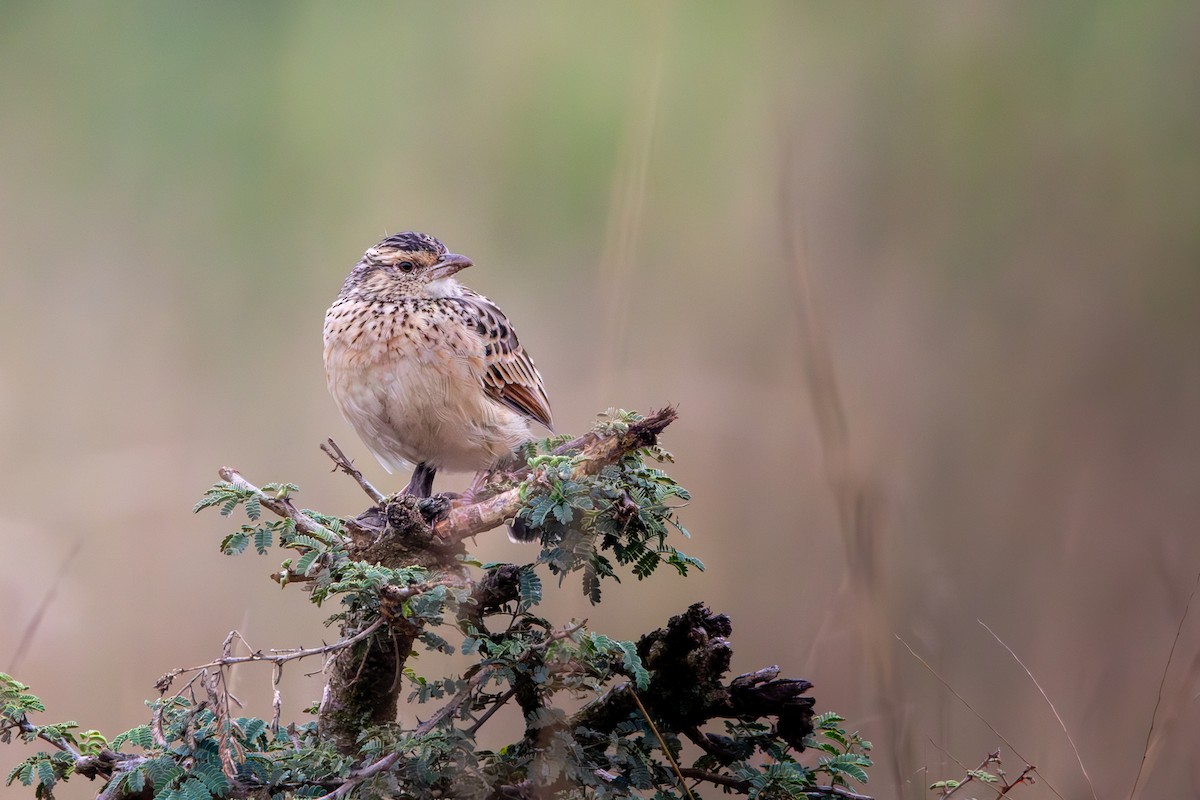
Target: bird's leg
[{"x": 421, "y": 484}]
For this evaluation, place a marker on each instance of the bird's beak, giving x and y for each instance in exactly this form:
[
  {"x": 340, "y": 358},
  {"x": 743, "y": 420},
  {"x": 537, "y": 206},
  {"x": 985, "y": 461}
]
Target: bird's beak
[{"x": 448, "y": 265}]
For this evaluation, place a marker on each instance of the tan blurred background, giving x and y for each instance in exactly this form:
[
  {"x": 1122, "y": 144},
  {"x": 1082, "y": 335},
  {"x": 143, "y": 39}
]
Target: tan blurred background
[{"x": 1000, "y": 209}]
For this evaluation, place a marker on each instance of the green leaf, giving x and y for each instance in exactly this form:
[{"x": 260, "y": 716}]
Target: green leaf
[
  {"x": 829, "y": 718},
  {"x": 46, "y": 774},
  {"x": 530, "y": 586},
  {"x": 235, "y": 543},
  {"x": 253, "y": 507},
  {"x": 133, "y": 781},
  {"x": 848, "y": 764},
  {"x": 262, "y": 539},
  {"x": 632, "y": 662},
  {"x": 305, "y": 562},
  {"x": 838, "y": 736},
  {"x": 140, "y": 736},
  {"x": 162, "y": 772},
  {"x": 194, "y": 789},
  {"x": 251, "y": 728},
  {"x": 219, "y": 493},
  {"x": 212, "y": 777},
  {"x": 563, "y": 513},
  {"x": 22, "y": 772}
]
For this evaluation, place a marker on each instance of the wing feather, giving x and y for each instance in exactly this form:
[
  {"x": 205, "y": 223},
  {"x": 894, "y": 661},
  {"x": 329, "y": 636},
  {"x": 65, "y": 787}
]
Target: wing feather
[{"x": 509, "y": 377}]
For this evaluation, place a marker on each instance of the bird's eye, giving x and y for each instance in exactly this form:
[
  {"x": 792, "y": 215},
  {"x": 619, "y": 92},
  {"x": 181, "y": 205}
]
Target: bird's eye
[{"x": 406, "y": 266}]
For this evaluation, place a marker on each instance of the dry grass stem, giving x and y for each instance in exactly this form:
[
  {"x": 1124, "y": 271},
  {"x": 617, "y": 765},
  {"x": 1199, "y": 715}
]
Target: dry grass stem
[
  {"x": 1151, "y": 741},
  {"x": 1054, "y": 710},
  {"x": 971, "y": 708}
]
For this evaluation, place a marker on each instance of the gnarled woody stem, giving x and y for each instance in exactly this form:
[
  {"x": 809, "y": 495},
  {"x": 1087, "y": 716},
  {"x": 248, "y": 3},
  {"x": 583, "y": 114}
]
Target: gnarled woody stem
[
  {"x": 363, "y": 684},
  {"x": 465, "y": 519}
]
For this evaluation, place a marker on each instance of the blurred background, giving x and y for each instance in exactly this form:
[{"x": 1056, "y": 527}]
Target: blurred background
[{"x": 971, "y": 229}]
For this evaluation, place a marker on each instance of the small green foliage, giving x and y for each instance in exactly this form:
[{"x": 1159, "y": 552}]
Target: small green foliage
[
  {"x": 530, "y": 587},
  {"x": 846, "y": 754},
  {"x": 1003, "y": 784},
  {"x": 621, "y": 520},
  {"x": 15, "y": 701},
  {"x": 621, "y": 516},
  {"x": 139, "y": 737},
  {"x": 42, "y": 769},
  {"x": 780, "y": 779},
  {"x": 599, "y": 645}
]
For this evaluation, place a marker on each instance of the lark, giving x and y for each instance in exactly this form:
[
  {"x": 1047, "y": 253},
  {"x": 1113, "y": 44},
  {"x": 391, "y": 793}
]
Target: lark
[{"x": 429, "y": 373}]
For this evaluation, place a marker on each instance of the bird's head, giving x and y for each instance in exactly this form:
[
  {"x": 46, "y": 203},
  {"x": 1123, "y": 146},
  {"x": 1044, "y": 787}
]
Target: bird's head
[{"x": 408, "y": 264}]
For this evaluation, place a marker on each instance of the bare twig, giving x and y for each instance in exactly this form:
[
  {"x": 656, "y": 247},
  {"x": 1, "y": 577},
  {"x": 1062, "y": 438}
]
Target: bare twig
[
  {"x": 342, "y": 461},
  {"x": 276, "y": 657},
  {"x": 1024, "y": 777},
  {"x": 456, "y": 702},
  {"x": 737, "y": 784},
  {"x": 1054, "y": 710},
  {"x": 363, "y": 774},
  {"x": 467, "y": 517},
  {"x": 1162, "y": 683},
  {"x": 496, "y": 706},
  {"x": 27, "y": 727},
  {"x": 971, "y": 774}
]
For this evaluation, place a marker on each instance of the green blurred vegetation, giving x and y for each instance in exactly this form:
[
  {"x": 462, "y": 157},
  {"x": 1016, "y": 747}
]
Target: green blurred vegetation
[{"x": 1000, "y": 206}]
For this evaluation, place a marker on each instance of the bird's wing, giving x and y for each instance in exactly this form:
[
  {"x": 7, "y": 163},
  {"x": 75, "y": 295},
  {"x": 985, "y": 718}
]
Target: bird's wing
[{"x": 509, "y": 374}]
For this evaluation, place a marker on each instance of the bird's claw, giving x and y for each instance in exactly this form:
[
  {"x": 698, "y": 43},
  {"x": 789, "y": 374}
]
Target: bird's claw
[{"x": 435, "y": 507}]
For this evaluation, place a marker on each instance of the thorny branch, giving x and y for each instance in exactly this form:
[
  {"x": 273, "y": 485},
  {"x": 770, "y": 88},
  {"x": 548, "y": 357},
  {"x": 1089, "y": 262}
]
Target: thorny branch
[
  {"x": 280, "y": 506},
  {"x": 686, "y": 661},
  {"x": 342, "y": 462},
  {"x": 466, "y": 518},
  {"x": 102, "y": 764},
  {"x": 1001, "y": 787},
  {"x": 276, "y": 657}
]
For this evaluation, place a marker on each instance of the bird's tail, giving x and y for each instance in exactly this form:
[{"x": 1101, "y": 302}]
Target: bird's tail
[{"x": 520, "y": 531}]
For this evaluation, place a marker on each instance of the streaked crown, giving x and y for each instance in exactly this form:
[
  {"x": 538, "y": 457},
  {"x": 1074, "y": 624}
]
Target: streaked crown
[
  {"x": 407, "y": 242},
  {"x": 404, "y": 264}
]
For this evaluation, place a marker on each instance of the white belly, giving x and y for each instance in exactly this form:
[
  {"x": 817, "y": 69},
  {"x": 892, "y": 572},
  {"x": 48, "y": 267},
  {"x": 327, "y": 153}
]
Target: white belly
[{"x": 416, "y": 404}]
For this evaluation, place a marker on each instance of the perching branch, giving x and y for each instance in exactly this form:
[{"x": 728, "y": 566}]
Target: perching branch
[
  {"x": 401, "y": 574},
  {"x": 280, "y": 506},
  {"x": 466, "y": 518}
]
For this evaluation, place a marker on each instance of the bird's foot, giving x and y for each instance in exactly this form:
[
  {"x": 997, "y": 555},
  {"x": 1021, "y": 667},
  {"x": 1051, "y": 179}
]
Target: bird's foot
[{"x": 435, "y": 507}]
